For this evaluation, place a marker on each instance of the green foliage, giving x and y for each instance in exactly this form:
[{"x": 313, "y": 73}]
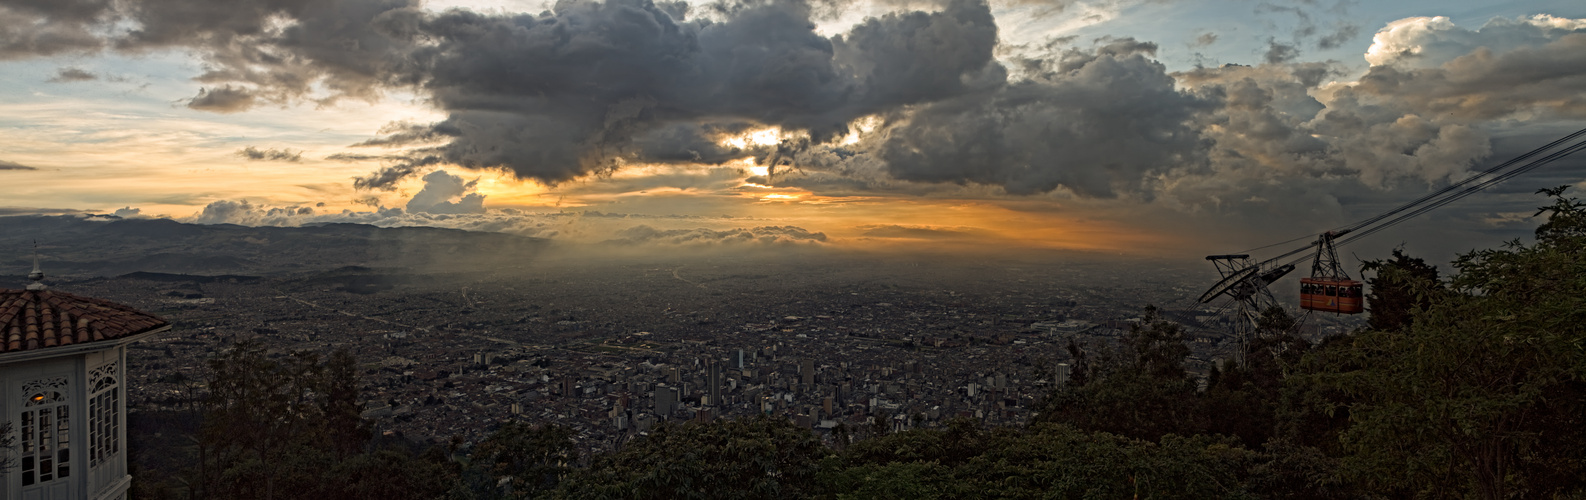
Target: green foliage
[
  {"x": 747, "y": 458},
  {"x": 1480, "y": 393},
  {"x": 7, "y": 443},
  {"x": 1402, "y": 286},
  {"x": 1140, "y": 391},
  {"x": 1043, "y": 461},
  {"x": 1275, "y": 321},
  {"x": 519, "y": 461},
  {"x": 267, "y": 421},
  {"x": 277, "y": 427},
  {"x": 386, "y": 474},
  {"x": 1241, "y": 399}
]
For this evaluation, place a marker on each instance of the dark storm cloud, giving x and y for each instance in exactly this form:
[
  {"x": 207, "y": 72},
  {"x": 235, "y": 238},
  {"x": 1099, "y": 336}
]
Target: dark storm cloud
[
  {"x": 7, "y": 165},
  {"x": 591, "y": 86},
  {"x": 635, "y": 82},
  {"x": 31, "y": 28},
  {"x": 253, "y": 153},
  {"x": 1096, "y": 122},
  {"x": 567, "y": 93}
]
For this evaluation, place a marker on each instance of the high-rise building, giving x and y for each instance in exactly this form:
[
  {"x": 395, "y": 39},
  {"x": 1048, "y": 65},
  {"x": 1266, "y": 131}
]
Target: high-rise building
[
  {"x": 807, "y": 371},
  {"x": 714, "y": 381},
  {"x": 665, "y": 400}
]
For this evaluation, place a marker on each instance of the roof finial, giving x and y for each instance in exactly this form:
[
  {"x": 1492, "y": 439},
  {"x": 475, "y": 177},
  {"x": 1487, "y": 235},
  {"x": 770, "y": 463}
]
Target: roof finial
[{"x": 38, "y": 274}]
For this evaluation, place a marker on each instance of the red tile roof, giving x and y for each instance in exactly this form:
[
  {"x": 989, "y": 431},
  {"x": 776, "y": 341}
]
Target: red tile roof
[{"x": 40, "y": 319}]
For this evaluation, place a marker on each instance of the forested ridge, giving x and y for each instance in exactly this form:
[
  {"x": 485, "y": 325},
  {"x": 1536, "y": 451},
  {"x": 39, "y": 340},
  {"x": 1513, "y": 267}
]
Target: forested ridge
[{"x": 1471, "y": 385}]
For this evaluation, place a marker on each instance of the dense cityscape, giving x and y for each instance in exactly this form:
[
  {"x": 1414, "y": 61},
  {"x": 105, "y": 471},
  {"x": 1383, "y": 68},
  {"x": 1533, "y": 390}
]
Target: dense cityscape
[{"x": 852, "y": 345}]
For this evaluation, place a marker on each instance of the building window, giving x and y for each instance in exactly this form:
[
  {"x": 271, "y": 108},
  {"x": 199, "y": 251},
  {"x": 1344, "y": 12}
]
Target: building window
[
  {"x": 46, "y": 431},
  {"x": 104, "y": 414}
]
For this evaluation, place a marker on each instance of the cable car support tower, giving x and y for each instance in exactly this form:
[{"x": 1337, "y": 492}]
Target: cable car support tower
[{"x": 1329, "y": 288}]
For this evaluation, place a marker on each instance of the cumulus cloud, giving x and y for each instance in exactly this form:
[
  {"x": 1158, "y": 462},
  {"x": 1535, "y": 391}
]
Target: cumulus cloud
[
  {"x": 241, "y": 212},
  {"x": 272, "y": 154},
  {"x": 440, "y": 188},
  {"x": 1533, "y": 66},
  {"x": 128, "y": 213},
  {"x": 1429, "y": 42},
  {"x": 593, "y": 86}
]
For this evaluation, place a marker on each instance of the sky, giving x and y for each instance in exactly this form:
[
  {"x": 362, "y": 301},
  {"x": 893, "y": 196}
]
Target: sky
[{"x": 1152, "y": 127}]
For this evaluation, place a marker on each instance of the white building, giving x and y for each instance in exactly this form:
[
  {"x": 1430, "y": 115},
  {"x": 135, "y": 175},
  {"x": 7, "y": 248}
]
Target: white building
[{"x": 62, "y": 370}]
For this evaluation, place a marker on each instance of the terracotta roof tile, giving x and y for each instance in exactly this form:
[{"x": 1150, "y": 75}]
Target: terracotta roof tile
[{"x": 37, "y": 319}]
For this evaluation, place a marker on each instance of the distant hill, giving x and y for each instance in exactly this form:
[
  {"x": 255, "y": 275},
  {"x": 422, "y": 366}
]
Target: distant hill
[{"x": 92, "y": 247}]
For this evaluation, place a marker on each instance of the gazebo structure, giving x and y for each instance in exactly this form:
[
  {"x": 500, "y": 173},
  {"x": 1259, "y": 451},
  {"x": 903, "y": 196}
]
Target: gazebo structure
[{"x": 62, "y": 373}]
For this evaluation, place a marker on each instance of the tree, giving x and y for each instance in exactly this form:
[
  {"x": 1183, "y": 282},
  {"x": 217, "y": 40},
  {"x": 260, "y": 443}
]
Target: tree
[
  {"x": 1042, "y": 461},
  {"x": 520, "y": 461},
  {"x": 271, "y": 426},
  {"x": 1401, "y": 286},
  {"x": 758, "y": 457},
  {"x": 1242, "y": 399},
  {"x": 7, "y": 442},
  {"x": 1481, "y": 392},
  {"x": 1139, "y": 391}
]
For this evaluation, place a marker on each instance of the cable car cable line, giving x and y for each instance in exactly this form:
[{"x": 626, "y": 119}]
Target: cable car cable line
[
  {"x": 1432, "y": 201},
  {"x": 1330, "y": 289},
  {"x": 1431, "y": 195},
  {"x": 1468, "y": 180}
]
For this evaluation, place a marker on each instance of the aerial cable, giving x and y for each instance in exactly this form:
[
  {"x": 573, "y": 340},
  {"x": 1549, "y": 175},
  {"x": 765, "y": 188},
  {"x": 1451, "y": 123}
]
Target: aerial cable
[
  {"x": 1479, "y": 187},
  {"x": 1574, "y": 148},
  {"x": 1470, "y": 179},
  {"x": 1469, "y": 191},
  {"x": 1284, "y": 242},
  {"x": 1432, "y": 201}
]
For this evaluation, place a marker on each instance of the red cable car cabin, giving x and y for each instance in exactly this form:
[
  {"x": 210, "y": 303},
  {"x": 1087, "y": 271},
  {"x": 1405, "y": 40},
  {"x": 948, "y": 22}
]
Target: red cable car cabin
[{"x": 1332, "y": 295}]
